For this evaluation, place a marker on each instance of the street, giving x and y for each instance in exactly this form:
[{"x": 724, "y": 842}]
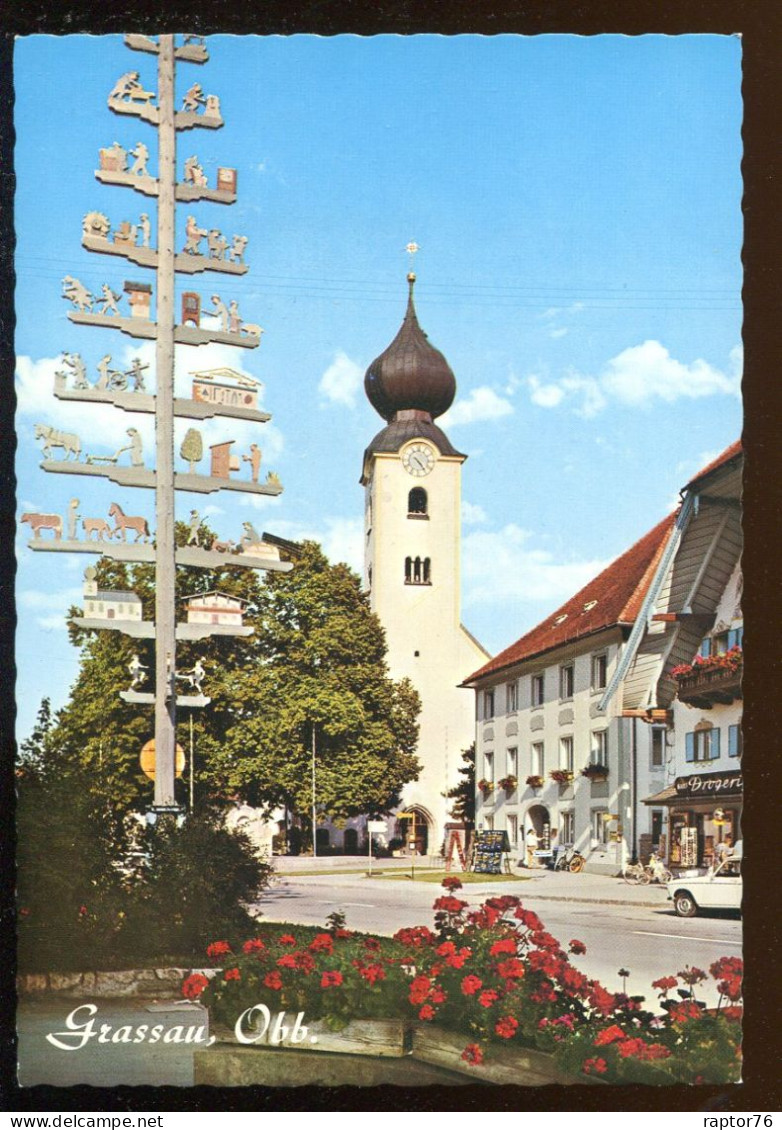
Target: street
[{"x": 622, "y": 926}]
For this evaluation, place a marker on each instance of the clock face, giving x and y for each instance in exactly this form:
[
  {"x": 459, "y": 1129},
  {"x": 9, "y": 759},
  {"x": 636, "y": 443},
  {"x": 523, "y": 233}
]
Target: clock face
[{"x": 418, "y": 459}]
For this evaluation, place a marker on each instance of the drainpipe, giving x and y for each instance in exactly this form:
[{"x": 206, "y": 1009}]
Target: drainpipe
[{"x": 634, "y": 792}]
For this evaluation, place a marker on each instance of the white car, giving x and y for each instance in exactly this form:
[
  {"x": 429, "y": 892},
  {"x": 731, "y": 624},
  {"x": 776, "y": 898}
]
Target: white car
[{"x": 717, "y": 889}]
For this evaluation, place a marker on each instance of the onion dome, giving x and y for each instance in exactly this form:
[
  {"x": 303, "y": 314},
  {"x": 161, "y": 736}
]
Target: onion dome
[{"x": 411, "y": 374}]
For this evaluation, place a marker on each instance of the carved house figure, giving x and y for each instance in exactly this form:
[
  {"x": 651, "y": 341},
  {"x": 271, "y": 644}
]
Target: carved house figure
[
  {"x": 139, "y": 298},
  {"x": 100, "y": 604},
  {"x": 216, "y": 608}
]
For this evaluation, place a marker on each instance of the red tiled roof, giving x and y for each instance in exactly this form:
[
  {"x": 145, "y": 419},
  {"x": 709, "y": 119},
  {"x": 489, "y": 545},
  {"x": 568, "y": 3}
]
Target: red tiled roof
[
  {"x": 617, "y": 593},
  {"x": 729, "y": 453}
]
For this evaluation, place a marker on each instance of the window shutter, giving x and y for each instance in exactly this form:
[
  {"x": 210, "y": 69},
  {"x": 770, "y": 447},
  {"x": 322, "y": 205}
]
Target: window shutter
[
  {"x": 715, "y": 744},
  {"x": 706, "y": 648},
  {"x": 689, "y": 746},
  {"x": 733, "y": 741}
]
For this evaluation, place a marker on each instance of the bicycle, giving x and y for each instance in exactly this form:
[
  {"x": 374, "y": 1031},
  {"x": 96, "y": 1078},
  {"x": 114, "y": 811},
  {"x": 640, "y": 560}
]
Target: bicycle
[
  {"x": 653, "y": 872},
  {"x": 570, "y": 860}
]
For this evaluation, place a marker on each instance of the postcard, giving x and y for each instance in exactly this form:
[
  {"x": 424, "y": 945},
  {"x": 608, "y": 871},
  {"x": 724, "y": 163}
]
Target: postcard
[{"x": 380, "y": 631}]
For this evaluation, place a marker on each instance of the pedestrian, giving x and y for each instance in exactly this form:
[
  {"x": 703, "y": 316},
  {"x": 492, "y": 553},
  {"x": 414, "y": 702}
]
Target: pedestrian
[
  {"x": 723, "y": 850},
  {"x": 532, "y": 840}
]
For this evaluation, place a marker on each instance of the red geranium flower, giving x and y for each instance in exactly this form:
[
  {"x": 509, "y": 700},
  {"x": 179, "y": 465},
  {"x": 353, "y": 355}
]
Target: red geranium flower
[
  {"x": 414, "y": 936},
  {"x": 330, "y": 978},
  {"x": 426, "y": 1013},
  {"x": 438, "y": 996},
  {"x": 445, "y": 949},
  {"x": 255, "y": 945},
  {"x": 287, "y": 940},
  {"x": 471, "y": 984},
  {"x": 273, "y": 980},
  {"x": 488, "y": 997},
  {"x": 576, "y": 946},
  {"x": 451, "y": 883},
  {"x": 594, "y": 1065},
  {"x": 419, "y": 989},
  {"x": 506, "y": 1027},
  {"x": 529, "y": 919},
  {"x": 456, "y": 960},
  {"x": 232, "y": 975},
  {"x": 373, "y": 973},
  {"x": 687, "y": 1010},
  {"x": 287, "y": 961},
  {"x": 664, "y": 984},
  {"x": 194, "y": 985},
  {"x": 608, "y": 1035},
  {"x": 504, "y": 945},
  {"x": 473, "y": 1055},
  {"x": 511, "y": 969},
  {"x": 372, "y": 944},
  {"x": 217, "y": 949},
  {"x": 449, "y": 903},
  {"x": 323, "y": 942}
]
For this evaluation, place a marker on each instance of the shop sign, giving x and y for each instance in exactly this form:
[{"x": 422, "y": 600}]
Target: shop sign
[{"x": 708, "y": 784}]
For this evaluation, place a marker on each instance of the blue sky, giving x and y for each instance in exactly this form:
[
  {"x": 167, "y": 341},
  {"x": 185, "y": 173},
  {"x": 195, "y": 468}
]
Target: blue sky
[{"x": 577, "y": 202}]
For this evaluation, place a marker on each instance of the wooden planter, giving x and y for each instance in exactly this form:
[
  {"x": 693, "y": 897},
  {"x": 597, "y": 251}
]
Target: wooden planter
[{"x": 371, "y": 1053}]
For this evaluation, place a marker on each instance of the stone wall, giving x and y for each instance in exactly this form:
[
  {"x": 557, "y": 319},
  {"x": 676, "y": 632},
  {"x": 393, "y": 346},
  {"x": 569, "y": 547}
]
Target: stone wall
[{"x": 156, "y": 983}]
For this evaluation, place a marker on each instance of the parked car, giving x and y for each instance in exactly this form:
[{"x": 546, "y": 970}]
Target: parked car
[{"x": 717, "y": 888}]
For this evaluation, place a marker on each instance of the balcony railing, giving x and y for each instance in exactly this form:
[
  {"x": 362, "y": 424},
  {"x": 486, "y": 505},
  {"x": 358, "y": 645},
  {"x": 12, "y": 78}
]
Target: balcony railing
[{"x": 706, "y": 687}]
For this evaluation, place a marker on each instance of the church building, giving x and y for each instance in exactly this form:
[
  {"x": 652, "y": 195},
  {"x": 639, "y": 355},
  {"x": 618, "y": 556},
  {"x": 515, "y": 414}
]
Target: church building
[{"x": 412, "y": 480}]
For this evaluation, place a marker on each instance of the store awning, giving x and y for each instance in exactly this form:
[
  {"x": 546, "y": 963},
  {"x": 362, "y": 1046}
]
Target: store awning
[{"x": 667, "y": 796}]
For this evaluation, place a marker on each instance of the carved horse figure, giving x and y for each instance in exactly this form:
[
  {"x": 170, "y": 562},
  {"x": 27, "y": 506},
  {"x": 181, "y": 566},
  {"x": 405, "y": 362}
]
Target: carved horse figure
[
  {"x": 38, "y": 522},
  {"x": 68, "y": 441},
  {"x": 123, "y": 523}
]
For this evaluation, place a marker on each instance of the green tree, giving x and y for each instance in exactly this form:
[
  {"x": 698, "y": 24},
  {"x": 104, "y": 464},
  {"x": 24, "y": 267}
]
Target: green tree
[
  {"x": 463, "y": 792},
  {"x": 319, "y": 672}
]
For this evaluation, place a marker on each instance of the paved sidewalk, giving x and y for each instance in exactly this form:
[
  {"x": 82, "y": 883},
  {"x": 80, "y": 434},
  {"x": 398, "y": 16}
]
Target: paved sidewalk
[{"x": 538, "y": 883}]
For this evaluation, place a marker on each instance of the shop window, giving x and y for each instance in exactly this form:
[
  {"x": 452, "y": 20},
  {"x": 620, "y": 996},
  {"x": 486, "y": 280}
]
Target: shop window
[
  {"x": 598, "y": 753},
  {"x": 417, "y": 503},
  {"x": 566, "y": 753},
  {"x": 657, "y": 756},
  {"x": 512, "y": 697},
  {"x": 566, "y": 681},
  {"x": 536, "y": 759},
  {"x": 488, "y": 704},
  {"x": 702, "y": 745},
  {"x": 599, "y": 672},
  {"x": 537, "y": 690},
  {"x": 734, "y": 741}
]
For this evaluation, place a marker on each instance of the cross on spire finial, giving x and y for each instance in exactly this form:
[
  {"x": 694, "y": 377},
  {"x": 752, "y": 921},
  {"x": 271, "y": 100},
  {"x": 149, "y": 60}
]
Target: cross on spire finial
[{"x": 411, "y": 249}]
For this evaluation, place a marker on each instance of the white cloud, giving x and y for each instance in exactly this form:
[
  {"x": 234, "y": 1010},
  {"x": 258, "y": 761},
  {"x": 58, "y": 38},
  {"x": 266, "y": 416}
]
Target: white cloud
[
  {"x": 342, "y": 380},
  {"x": 505, "y": 564},
  {"x": 559, "y": 332},
  {"x": 481, "y": 404},
  {"x": 52, "y": 623},
  {"x": 637, "y": 377},
  {"x": 472, "y": 514}
]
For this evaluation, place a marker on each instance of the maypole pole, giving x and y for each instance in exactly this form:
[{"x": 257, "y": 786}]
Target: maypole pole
[{"x": 165, "y": 563}]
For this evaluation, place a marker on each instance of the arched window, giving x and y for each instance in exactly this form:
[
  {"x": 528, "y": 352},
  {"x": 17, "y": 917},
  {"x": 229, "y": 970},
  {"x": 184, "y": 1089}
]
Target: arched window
[
  {"x": 418, "y": 571},
  {"x": 416, "y": 501}
]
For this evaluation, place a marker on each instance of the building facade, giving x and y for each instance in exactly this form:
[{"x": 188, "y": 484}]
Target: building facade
[{"x": 411, "y": 476}]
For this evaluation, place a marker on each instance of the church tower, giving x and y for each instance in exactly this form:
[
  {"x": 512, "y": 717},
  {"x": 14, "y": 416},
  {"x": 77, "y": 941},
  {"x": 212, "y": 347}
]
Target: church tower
[{"x": 412, "y": 481}]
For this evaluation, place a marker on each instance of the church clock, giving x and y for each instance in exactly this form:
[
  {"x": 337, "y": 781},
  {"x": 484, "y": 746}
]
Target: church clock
[{"x": 418, "y": 459}]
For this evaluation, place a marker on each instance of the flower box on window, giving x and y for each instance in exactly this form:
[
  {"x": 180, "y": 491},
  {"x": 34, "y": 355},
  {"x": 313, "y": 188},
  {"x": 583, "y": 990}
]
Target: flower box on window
[
  {"x": 595, "y": 772},
  {"x": 486, "y": 787},
  {"x": 535, "y": 782},
  {"x": 561, "y": 776},
  {"x": 711, "y": 679},
  {"x": 508, "y": 784}
]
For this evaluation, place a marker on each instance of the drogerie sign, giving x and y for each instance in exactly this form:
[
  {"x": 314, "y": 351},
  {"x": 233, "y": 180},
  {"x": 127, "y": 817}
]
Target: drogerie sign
[{"x": 708, "y": 784}]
